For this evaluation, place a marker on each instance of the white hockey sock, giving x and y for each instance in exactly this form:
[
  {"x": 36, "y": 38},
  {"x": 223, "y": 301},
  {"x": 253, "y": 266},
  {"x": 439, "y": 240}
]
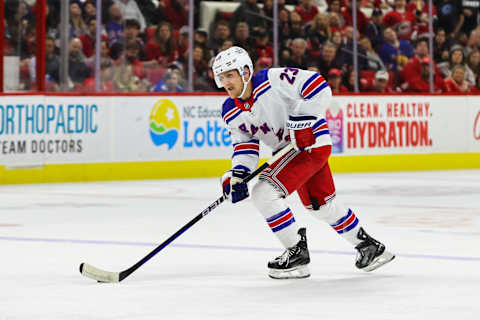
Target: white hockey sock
[
  {"x": 343, "y": 221},
  {"x": 278, "y": 215}
]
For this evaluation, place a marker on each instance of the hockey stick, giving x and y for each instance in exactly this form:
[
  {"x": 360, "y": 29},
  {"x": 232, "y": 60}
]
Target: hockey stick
[{"x": 106, "y": 276}]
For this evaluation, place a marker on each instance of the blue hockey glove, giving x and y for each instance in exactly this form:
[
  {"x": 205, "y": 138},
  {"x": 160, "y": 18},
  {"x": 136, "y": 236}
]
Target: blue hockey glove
[{"x": 233, "y": 185}]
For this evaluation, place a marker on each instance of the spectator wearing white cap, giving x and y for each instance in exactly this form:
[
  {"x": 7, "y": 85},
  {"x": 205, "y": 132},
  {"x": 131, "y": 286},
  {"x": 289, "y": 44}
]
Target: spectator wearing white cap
[{"x": 378, "y": 84}]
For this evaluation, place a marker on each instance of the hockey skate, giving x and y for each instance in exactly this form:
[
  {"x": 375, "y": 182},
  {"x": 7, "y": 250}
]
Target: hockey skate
[
  {"x": 371, "y": 253},
  {"x": 293, "y": 263}
]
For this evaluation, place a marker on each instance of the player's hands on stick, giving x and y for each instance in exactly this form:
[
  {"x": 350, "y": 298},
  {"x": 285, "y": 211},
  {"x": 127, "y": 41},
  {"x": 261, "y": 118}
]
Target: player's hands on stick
[
  {"x": 301, "y": 131},
  {"x": 233, "y": 185}
]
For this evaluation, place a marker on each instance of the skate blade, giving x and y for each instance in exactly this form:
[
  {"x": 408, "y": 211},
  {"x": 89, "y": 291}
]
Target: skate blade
[
  {"x": 293, "y": 273},
  {"x": 379, "y": 261}
]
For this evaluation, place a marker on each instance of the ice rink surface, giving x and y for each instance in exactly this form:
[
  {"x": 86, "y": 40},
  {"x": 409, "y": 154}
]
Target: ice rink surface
[{"x": 217, "y": 269}]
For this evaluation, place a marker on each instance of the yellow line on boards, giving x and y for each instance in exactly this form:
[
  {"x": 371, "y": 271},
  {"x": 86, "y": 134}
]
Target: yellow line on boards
[{"x": 215, "y": 168}]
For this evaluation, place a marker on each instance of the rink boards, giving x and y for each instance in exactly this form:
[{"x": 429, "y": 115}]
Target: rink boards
[{"x": 50, "y": 138}]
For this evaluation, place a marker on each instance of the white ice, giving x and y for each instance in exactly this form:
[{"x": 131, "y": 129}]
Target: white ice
[{"x": 217, "y": 268}]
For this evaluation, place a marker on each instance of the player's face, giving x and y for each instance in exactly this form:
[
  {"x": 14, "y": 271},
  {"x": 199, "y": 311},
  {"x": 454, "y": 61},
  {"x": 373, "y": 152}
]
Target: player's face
[{"x": 232, "y": 82}]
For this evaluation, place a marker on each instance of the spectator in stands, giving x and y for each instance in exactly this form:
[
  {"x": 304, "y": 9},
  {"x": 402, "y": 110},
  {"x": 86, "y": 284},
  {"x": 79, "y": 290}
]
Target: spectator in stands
[
  {"x": 470, "y": 13},
  {"x": 441, "y": 46},
  {"x": 450, "y": 16},
  {"x": 162, "y": 47},
  {"x": 346, "y": 50},
  {"x": 88, "y": 38},
  {"x": 420, "y": 9},
  {"x": 473, "y": 42},
  {"x": 220, "y": 34},
  {"x": 283, "y": 28},
  {"x": 78, "y": 71},
  {"x": 413, "y": 66},
  {"x": 336, "y": 38},
  {"x": 241, "y": 37},
  {"x": 456, "y": 57},
  {"x": 170, "y": 83},
  {"x": 52, "y": 20},
  {"x": 362, "y": 19},
  {"x": 89, "y": 11},
  {"x": 318, "y": 32},
  {"x": 114, "y": 25},
  {"x": 129, "y": 73},
  {"x": 456, "y": 82},
  {"x": 131, "y": 33},
  {"x": 200, "y": 37},
  {"x": 248, "y": 11},
  {"x": 393, "y": 52},
  {"x": 374, "y": 62},
  {"x": 175, "y": 12},
  {"x": 228, "y": 43},
  {"x": 52, "y": 66},
  {"x": 77, "y": 25},
  {"x": 130, "y": 10},
  {"x": 335, "y": 21},
  {"x": 182, "y": 44},
  {"x": 348, "y": 79},
  {"x": 296, "y": 26},
  {"x": 106, "y": 75},
  {"x": 335, "y": 6},
  {"x": 262, "y": 46},
  {"x": 267, "y": 11},
  {"x": 473, "y": 62},
  {"x": 298, "y": 58},
  {"x": 328, "y": 59},
  {"x": 334, "y": 78},
  {"x": 200, "y": 73},
  {"x": 421, "y": 82},
  {"x": 401, "y": 20},
  {"x": 306, "y": 10},
  {"x": 375, "y": 28},
  {"x": 378, "y": 84},
  {"x": 104, "y": 56}
]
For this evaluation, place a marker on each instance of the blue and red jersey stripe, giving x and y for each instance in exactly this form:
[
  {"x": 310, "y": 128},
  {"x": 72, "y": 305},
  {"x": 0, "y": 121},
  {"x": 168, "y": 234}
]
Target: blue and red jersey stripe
[{"x": 312, "y": 86}]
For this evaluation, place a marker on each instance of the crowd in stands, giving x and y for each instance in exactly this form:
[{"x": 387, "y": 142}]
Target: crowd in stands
[{"x": 144, "y": 43}]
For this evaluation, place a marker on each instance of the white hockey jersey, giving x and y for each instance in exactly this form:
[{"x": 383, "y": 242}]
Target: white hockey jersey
[{"x": 277, "y": 93}]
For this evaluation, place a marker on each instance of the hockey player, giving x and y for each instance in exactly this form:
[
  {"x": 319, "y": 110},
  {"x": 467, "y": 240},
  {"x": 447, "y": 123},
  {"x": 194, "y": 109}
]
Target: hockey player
[{"x": 280, "y": 106}]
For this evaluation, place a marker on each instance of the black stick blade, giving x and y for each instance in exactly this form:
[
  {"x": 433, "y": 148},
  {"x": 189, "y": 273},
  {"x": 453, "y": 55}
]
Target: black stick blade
[{"x": 98, "y": 274}]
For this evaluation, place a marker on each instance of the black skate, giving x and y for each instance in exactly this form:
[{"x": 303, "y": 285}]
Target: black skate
[
  {"x": 371, "y": 253},
  {"x": 293, "y": 263}
]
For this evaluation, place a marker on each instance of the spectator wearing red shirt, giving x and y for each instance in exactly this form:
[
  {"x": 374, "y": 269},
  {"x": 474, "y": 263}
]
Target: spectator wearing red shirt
[
  {"x": 362, "y": 19},
  {"x": 262, "y": 48},
  {"x": 377, "y": 84},
  {"x": 131, "y": 58},
  {"x": 162, "y": 47},
  {"x": 456, "y": 82},
  {"x": 401, "y": 20},
  {"x": 413, "y": 66},
  {"x": 420, "y": 83},
  {"x": 306, "y": 10},
  {"x": 335, "y": 81},
  {"x": 420, "y": 9},
  {"x": 175, "y": 12}
]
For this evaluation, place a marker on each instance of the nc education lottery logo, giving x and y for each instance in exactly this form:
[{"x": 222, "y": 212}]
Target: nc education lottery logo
[{"x": 164, "y": 123}]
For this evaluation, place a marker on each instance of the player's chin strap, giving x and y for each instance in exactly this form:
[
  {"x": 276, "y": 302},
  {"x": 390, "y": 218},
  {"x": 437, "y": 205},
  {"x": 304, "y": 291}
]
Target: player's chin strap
[{"x": 245, "y": 85}]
